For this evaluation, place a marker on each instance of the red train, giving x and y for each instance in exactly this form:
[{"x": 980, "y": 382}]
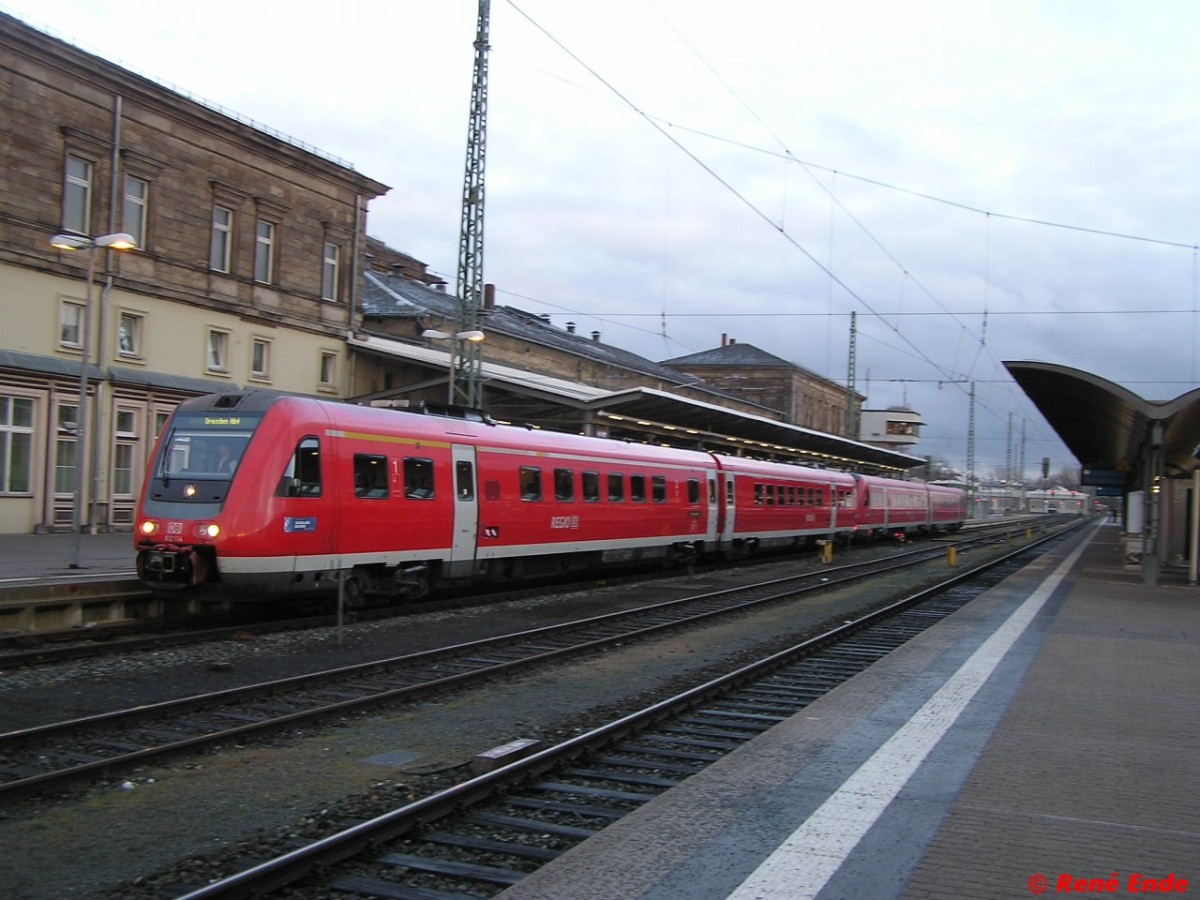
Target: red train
[{"x": 269, "y": 495}]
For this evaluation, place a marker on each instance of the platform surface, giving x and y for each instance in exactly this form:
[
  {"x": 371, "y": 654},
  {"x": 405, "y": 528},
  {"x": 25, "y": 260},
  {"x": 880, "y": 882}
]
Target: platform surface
[{"x": 1042, "y": 741}]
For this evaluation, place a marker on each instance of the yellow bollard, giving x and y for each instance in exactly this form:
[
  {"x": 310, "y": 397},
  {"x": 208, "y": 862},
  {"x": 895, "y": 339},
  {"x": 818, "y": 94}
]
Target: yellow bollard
[
  {"x": 826, "y": 551},
  {"x": 952, "y": 557}
]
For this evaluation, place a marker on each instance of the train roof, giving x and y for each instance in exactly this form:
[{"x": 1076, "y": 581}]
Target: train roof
[{"x": 341, "y": 416}]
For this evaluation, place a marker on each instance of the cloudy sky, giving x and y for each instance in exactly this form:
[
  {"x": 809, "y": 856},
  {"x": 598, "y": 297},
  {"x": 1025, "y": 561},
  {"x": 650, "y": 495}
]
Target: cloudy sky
[{"x": 979, "y": 181}]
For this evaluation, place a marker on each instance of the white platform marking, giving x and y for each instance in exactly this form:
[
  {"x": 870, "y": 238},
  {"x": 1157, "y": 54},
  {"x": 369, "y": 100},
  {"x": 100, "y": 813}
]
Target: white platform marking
[{"x": 803, "y": 864}]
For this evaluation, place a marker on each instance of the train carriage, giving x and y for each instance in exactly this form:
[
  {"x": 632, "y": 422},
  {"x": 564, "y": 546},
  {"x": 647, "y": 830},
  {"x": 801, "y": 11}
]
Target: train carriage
[
  {"x": 269, "y": 495},
  {"x": 772, "y": 504}
]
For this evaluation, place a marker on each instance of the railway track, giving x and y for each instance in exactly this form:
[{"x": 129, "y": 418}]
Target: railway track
[
  {"x": 483, "y": 835},
  {"x": 151, "y": 628},
  {"x": 51, "y": 756}
]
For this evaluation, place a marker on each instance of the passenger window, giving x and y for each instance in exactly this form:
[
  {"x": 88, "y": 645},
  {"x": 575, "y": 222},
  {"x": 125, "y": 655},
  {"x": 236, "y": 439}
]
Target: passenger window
[
  {"x": 302, "y": 477},
  {"x": 616, "y": 488},
  {"x": 418, "y": 478},
  {"x": 464, "y": 480},
  {"x": 531, "y": 483},
  {"x": 564, "y": 484},
  {"x": 370, "y": 476},
  {"x": 693, "y": 490},
  {"x": 658, "y": 487},
  {"x": 758, "y": 495},
  {"x": 637, "y": 488},
  {"x": 591, "y": 487}
]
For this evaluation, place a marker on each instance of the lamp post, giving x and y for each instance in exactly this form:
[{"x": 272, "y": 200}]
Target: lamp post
[
  {"x": 118, "y": 241},
  {"x": 473, "y": 390}
]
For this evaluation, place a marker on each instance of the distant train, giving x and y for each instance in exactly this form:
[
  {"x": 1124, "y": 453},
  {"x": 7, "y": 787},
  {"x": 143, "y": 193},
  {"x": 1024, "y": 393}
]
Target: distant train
[{"x": 266, "y": 495}]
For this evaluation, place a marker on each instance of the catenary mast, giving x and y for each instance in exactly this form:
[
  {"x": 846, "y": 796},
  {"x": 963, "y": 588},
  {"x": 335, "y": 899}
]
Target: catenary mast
[{"x": 466, "y": 361}]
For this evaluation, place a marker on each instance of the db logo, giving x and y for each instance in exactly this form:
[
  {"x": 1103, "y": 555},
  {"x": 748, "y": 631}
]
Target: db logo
[{"x": 1038, "y": 884}]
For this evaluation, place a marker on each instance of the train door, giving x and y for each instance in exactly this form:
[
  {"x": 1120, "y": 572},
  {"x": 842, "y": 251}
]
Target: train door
[
  {"x": 728, "y": 509},
  {"x": 712, "y": 528},
  {"x": 466, "y": 512}
]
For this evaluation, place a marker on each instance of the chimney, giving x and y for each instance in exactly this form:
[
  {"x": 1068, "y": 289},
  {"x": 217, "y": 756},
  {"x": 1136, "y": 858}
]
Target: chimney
[
  {"x": 724, "y": 339},
  {"x": 570, "y": 328},
  {"x": 545, "y": 317},
  {"x": 489, "y": 298},
  {"x": 596, "y": 336}
]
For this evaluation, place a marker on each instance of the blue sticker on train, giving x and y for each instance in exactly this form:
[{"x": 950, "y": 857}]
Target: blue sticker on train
[{"x": 292, "y": 524}]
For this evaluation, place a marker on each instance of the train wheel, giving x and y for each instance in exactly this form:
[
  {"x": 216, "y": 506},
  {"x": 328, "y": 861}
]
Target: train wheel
[{"x": 354, "y": 592}]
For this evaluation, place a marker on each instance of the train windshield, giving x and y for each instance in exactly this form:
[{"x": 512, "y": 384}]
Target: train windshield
[{"x": 205, "y": 446}]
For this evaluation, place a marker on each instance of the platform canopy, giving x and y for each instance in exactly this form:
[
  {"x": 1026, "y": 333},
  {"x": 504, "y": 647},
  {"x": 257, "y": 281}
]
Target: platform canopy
[{"x": 1108, "y": 427}]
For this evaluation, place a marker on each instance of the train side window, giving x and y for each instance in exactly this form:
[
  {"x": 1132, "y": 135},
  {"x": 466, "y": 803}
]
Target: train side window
[
  {"x": 693, "y": 490},
  {"x": 564, "y": 485},
  {"x": 531, "y": 483},
  {"x": 758, "y": 494},
  {"x": 658, "y": 488},
  {"x": 637, "y": 488},
  {"x": 791, "y": 495},
  {"x": 418, "y": 478},
  {"x": 591, "y": 487},
  {"x": 616, "y": 488},
  {"x": 464, "y": 480},
  {"x": 712, "y": 491},
  {"x": 370, "y": 476},
  {"x": 302, "y": 477},
  {"x": 769, "y": 491},
  {"x": 730, "y": 495}
]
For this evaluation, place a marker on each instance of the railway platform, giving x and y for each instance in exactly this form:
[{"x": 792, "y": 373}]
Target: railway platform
[
  {"x": 44, "y": 557},
  {"x": 1041, "y": 741}
]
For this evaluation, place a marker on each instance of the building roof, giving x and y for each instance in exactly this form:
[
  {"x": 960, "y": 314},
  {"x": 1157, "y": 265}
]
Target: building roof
[
  {"x": 639, "y": 410},
  {"x": 389, "y": 296},
  {"x": 1108, "y": 427},
  {"x": 731, "y": 354}
]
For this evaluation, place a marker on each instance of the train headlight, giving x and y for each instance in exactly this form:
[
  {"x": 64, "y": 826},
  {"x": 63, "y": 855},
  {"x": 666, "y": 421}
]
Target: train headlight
[
  {"x": 189, "y": 490},
  {"x": 208, "y": 530},
  {"x": 148, "y": 527}
]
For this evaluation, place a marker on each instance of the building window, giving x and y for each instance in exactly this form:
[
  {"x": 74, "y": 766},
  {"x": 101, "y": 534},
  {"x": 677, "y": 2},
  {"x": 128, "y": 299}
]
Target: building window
[
  {"x": 264, "y": 251},
  {"x": 260, "y": 359},
  {"x": 77, "y": 196},
  {"x": 70, "y": 325},
  {"x": 129, "y": 335},
  {"x": 64, "y": 451},
  {"x": 133, "y": 215},
  {"x": 123, "y": 452},
  {"x": 16, "y": 444},
  {"x": 329, "y": 272},
  {"x": 218, "y": 344},
  {"x": 328, "y": 369},
  {"x": 221, "y": 255}
]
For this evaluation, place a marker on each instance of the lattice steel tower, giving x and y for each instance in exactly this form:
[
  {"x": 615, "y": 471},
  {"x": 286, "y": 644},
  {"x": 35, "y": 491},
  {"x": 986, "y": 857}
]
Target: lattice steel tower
[{"x": 466, "y": 360}]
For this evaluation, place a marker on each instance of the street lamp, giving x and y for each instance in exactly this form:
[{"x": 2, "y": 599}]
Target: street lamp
[
  {"x": 118, "y": 241},
  {"x": 473, "y": 337}
]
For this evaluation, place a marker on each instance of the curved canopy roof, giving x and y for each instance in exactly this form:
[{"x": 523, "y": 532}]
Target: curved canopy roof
[{"x": 1107, "y": 426}]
